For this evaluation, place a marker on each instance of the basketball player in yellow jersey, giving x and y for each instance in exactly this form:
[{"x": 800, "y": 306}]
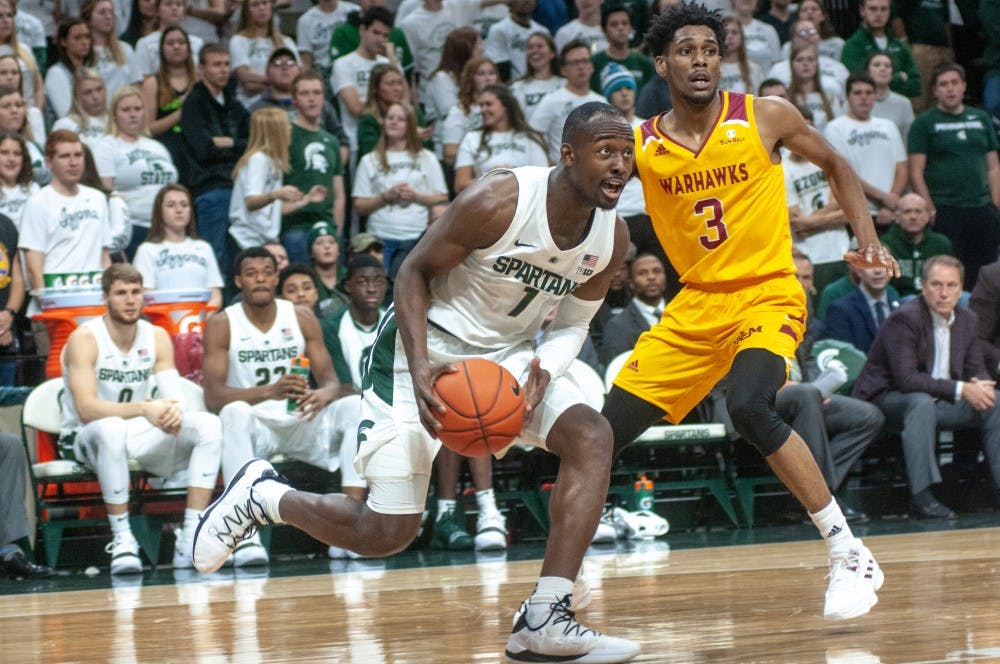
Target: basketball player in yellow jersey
[{"x": 712, "y": 178}]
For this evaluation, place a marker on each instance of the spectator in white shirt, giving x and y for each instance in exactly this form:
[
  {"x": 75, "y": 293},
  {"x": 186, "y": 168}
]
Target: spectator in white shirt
[
  {"x": 16, "y": 185},
  {"x": 75, "y": 51},
  {"x": 739, "y": 74},
  {"x": 169, "y": 14},
  {"x": 34, "y": 86},
  {"x": 889, "y": 104},
  {"x": 112, "y": 58},
  {"x": 761, "y": 40},
  {"x": 259, "y": 197},
  {"x": 88, "y": 115},
  {"x": 173, "y": 256},
  {"x": 542, "y": 73},
  {"x": 808, "y": 88},
  {"x": 425, "y": 26},
  {"x": 131, "y": 163},
  {"x": 315, "y": 28},
  {"x": 507, "y": 39},
  {"x": 586, "y": 27},
  {"x": 11, "y": 76},
  {"x": 441, "y": 92},
  {"x": 14, "y": 118},
  {"x": 505, "y": 141},
  {"x": 256, "y": 38},
  {"x": 803, "y": 33},
  {"x": 465, "y": 117},
  {"x": 831, "y": 44}
]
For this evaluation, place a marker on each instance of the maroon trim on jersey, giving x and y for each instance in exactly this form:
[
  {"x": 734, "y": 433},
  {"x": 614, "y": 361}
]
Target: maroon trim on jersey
[
  {"x": 715, "y": 123},
  {"x": 789, "y": 331},
  {"x": 648, "y": 129},
  {"x": 737, "y": 107}
]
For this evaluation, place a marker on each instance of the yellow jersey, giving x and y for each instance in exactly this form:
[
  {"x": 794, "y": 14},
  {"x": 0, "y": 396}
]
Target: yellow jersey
[{"x": 719, "y": 211}]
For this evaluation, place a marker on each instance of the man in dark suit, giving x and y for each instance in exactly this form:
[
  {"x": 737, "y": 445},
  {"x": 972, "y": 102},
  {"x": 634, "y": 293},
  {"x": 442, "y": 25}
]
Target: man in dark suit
[
  {"x": 985, "y": 302},
  {"x": 647, "y": 281},
  {"x": 926, "y": 371},
  {"x": 856, "y": 317}
]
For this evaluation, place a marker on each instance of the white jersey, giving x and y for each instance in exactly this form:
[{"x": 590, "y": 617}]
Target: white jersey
[
  {"x": 499, "y": 296},
  {"x": 121, "y": 377},
  {"x": 261, "y": 357}
]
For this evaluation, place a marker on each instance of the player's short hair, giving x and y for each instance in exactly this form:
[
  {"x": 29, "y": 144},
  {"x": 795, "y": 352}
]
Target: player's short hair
[
  {"x": 360, "y": 262},
  {"x": 292, "y": 269},
  {"x": 119, "y": 272},
  {"x": 252, "y": 252},
  {"x": 56, "y": 138},
  {"x": 211, "y": 49},
  {"x": 856, "y": 77},
  {"x": 581, "y": 116},
  {"x": 943, "y": 259},
  {"x": 663, "y": 26}
]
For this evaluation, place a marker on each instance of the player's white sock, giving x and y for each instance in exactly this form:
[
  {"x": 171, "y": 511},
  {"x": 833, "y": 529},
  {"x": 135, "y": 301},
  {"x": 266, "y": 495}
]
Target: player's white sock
[
  {"x": 487, "y": 502},
  {"x": 445, "y": 506},
  {"x": 269, "y": 493},
  {"x": 119, "y": 524},
  {"x": 833, "y": 527},
  {"x": 550, "y": 589},
  {"x": 191, "y": 517}
]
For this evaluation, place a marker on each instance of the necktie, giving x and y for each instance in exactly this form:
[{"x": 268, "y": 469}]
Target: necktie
[{"x": 879, "y": 313}]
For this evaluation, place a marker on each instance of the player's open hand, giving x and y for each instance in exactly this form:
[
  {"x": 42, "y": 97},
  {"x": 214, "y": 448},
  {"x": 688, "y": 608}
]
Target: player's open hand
[
  {"x": 534, "y": 388},
  {"x": 423, "y": 375},
  {"x": 312, "y": 402},
  {"x": 873, "y": 255},
  {"x": 289, "y": 386}
]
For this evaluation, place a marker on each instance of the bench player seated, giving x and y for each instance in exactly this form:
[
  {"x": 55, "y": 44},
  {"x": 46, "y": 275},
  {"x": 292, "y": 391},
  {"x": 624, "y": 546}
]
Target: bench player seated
[
  {"x": 249, "y": 348},
  {"x": 109, "y": 415}
]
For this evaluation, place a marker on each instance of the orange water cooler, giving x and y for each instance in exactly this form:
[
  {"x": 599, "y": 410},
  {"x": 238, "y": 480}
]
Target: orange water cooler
[
  {"x": 178, "y": 311},
  {"x": 62, "y": 312}
]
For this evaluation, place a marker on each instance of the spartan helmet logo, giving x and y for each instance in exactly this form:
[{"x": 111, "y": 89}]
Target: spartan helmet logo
[{"x": 315, "y": 160}]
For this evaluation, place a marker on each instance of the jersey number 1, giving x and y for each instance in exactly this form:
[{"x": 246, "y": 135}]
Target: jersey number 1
[{"x": 711, "y": 210}]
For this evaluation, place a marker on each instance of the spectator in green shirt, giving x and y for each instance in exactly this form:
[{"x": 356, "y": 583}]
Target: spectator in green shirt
[
  {"x": 616, "y": 22},
  {"x": 871, "y": 38},
  {"x": 953, "y": 165},
  {"x": 347, "y": 37},
  {"x": 923, "y": 24},
  {"x": 912, "y": 242}
]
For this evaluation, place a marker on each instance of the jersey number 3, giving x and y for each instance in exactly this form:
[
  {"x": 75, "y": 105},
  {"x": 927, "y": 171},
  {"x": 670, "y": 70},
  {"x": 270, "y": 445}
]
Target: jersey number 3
[{"x": 710, "y": 209}]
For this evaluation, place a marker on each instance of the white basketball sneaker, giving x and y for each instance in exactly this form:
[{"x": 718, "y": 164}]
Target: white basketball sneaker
[
  {"x": 250, "y": 552},
  {"x": 606, "y": 532},
  {"x": 491, "y": 532},
  {"x": 124, "y": 552},
  {"x": 854, "y": 580},
  {"x": 234, "y": 517},
  {"x": 560, "y": 638},
  {"x": 339, "y": 553}
]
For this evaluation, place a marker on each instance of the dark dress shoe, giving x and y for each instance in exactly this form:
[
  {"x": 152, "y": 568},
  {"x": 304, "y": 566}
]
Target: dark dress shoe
[
  {"x": 930, "y": 509},
  {"x": 16, "y": 566},
  {"x": 851, "y": 515}
]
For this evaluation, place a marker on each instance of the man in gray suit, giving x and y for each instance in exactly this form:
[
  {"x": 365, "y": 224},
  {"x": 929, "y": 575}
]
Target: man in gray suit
[
  {"x": 926, "y": 372},
  {"x": 647, "y": 281},
  {"x": 13, "y": 517}
]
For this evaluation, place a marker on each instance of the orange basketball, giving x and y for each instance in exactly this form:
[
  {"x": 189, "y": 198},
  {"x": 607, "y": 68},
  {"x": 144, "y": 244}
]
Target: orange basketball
[{"x": 484, "y": 407}]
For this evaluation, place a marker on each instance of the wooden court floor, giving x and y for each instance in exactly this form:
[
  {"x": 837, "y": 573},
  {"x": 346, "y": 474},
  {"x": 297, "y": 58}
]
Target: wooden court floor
[{"x": 756, "y": 603}]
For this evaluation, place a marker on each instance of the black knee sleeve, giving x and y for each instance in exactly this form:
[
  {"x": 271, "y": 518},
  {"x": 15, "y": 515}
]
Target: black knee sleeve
[
  {"x": 629, "y": 416},
  {"x": 754, "y": 380}
]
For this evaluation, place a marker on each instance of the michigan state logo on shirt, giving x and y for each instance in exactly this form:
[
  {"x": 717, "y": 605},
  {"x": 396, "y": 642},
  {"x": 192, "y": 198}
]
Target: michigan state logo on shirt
[
  {"x": 157, "y": 174},
  {"x": 315, "y": 159}
]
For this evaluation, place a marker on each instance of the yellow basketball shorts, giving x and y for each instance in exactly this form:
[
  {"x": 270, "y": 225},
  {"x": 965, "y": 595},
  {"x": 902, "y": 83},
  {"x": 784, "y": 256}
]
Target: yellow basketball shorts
[{"x": 678, "y": 361}]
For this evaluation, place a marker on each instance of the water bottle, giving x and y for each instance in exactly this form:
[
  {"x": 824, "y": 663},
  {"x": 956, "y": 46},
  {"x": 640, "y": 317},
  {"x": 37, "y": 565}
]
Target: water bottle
[
  {"x": 832, "y": 378},
  {"x": 300, "y": 367},
  {"x": 644, "y": 494}
]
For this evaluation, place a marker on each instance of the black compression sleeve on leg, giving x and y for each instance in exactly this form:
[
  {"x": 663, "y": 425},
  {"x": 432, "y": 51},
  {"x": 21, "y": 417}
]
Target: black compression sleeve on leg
[
  {"x": 754, "y": 380},
  {"x": 629, "y": 417}
]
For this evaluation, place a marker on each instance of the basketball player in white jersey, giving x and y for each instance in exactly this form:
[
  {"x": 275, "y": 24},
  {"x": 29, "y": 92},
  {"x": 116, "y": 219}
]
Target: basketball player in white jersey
[
  {"x": 249, "y": 347},
  {"x": 542, "y": 237},
  {"x": 110, "y": 415}
]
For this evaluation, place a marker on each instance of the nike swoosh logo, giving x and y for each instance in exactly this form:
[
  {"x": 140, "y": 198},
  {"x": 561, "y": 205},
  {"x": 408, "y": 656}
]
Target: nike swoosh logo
[{"x": 518, "y": 243}]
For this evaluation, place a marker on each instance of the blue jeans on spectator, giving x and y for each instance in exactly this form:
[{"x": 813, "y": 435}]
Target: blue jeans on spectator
[
  {"x": 296, "y": 241},
  {"x": 393, "y": 253},
  {"x": 213, "y": 222},
  {"x": 991, "y": 95}
]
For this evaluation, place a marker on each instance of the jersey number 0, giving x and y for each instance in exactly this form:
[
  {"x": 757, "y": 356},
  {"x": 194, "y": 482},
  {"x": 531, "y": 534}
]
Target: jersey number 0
[{"x": 710, "y": 209}]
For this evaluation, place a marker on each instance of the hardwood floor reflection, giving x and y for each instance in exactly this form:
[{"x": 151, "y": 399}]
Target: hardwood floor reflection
[{"x": 760, "y": 603}]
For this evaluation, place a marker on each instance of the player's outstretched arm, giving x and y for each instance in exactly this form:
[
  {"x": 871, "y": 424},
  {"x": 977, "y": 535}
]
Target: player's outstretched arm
[
  {"x": 477, "y": 218},
  {"x": 780, "y": 123}
]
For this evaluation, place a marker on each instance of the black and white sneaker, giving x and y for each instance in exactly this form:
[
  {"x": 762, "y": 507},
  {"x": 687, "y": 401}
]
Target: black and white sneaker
[
  {"x": 232, "y": 518},
  {"x": 560, "y": 638}
]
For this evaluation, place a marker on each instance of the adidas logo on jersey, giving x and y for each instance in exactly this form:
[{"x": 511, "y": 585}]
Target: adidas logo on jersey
[
  {"x": 661, "y": 151},
  {"x": 633, "y": 365}
]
